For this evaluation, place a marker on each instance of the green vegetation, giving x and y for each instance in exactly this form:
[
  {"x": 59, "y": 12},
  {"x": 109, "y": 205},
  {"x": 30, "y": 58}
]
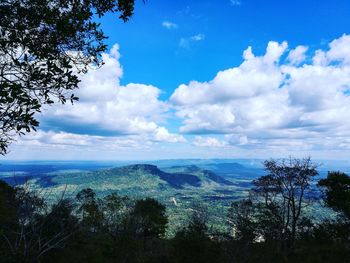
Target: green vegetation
[
  {"x": 44, "y": 46},
  {"x": 179, "y": 188},
  {"x": 271, "y": 224}
]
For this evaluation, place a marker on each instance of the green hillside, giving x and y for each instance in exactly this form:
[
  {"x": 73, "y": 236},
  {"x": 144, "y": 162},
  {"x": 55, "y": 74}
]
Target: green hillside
[{"x": 180, "y": 188}]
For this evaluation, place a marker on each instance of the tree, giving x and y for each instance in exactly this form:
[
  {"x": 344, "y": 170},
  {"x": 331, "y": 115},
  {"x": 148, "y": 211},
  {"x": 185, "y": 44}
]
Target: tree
[
  {"x": 55, "y": 229},
  {"x": 337, "y": 192},
  {"x": 115, "y": 210},
  {"x": 31, "y": 228},
  {"x": 242, "y": 219},
  {"x": 89, "y": 210},
  {"x": 283, "y": 194},
  {"x": 197, "y": 225},
  {"x": 8, "y": 219},
  {"x": 7, "y": 206},
  {"x": 148, "y": 219},
  {"x": 336, "y": 189},
  {"x": 44, "y": 46},
  {"x": 193, "y": 244}
]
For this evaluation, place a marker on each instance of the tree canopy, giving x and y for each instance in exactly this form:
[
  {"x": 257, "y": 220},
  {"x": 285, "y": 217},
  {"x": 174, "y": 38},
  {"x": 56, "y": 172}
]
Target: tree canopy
[
  {"x": 92, "y": 227},
  {"x": 337, "y": 192},
  {"x": 44, "y": 45}
]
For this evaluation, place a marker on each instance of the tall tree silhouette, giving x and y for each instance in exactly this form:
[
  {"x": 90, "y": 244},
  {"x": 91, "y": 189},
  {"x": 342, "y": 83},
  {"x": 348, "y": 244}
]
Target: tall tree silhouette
[
  {"x": 337, "y": 192},
  {"x": 284, "y": 193}
]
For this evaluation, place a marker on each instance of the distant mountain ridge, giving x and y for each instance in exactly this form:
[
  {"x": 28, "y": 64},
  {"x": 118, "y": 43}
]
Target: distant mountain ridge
[
  {"x": 176, "y": 180},
  {"x": 206, "y": 174},
  {"x": 141, "y": 176},
  {"x": 184, "y": 176},
  {"x": 178, "y": 186}
]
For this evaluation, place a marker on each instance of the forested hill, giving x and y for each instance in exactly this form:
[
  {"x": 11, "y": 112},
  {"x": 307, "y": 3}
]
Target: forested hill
[
  {"x": 140, "y": 176},
  {"x": 177, "y": 214},
  {"x": 178, "y": 187}
]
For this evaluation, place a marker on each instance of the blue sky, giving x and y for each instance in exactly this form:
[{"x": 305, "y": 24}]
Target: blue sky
[
  {"x": 151, "y": 53},
  {"x": 203, "y": 79}
]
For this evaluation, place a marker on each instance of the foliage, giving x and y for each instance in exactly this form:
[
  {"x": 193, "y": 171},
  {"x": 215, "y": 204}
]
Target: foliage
[
  {"x": 88, "y": 210},
  {"x": 193, "y": 244},
  {"x": 117, "y": 228},
  {"x": 44, "y": 45},
  {"x": 138, "y": 181},
  {"x": 282, "y": 195},
  {"x": 337, "y": 192},
  {"x": 148, "y": 219},
  {"x": 115, "y": 210},
  {"x": 241, "y": 218},
  {"x": 33, "y": 228}
]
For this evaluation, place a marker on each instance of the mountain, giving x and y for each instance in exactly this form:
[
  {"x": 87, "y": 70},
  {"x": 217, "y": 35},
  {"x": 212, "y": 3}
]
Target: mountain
[
  {"x": 180, "y": 187},
  {"x": 175, "y": 180},
  {"x": 205, "y": 176},
  {"x": 138, "y": 177}
]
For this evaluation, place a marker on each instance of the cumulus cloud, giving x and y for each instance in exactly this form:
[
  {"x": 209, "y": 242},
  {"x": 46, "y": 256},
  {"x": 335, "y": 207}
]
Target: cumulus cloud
[
  {"x": 339, "y": 50},
  {"x": 206, "y": 119},
  {"x": 283, "y": 101},
  {"x": 82, "y": 146},
  {"x": 105, "y": 106},
  {"x": 162, "y": 134},
  {"x": 169, "y": 25},
  {"x": 274, "y": 99},
  {"x": 61, "y": 145},
  {"x": 254, "y": 76},
  {"x": 65, "y": 140},
  {"x": 297, "y": 55},
  {"x": 236, "y": 139},
  {"x": 208, "y": 142}
]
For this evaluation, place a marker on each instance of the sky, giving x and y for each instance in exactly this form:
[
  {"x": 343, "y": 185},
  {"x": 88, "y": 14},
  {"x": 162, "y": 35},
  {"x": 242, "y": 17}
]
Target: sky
[{"x": 209, "y": 79}]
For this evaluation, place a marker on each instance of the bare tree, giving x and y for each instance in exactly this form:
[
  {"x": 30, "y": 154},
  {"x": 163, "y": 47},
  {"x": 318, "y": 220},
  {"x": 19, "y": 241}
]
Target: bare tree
[{"x": 284, "y": 193}]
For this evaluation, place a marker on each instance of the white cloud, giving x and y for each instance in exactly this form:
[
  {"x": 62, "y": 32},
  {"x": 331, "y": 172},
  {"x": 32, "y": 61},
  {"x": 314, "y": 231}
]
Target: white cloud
[
  {"x": 277, "y": 103},
  {"x": 186, "y": 42},
  {"x": 198, "y": 37},
  {"x": 163, "y": 135},
  {"x": 236, "y": 139},
  {"x": 106, "y": 106},
  {"x": 340, "y": 50},
  {"x": 65, "y": 140},
  {"x": 50, "y": 145},
  {"x": 256, "y": 75},
  {"x": 297, "y": 55},
  {"x": 208, "y": 142},
  {"x": 274, "y": 100},
  {"x": 169, "y": 25},
  {"x": 206, "y": 118},
  {"x": 70, "y": 141}
]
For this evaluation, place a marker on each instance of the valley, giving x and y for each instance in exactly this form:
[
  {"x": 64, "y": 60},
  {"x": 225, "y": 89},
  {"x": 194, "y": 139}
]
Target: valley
[{"x": 184, "y": 186}]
